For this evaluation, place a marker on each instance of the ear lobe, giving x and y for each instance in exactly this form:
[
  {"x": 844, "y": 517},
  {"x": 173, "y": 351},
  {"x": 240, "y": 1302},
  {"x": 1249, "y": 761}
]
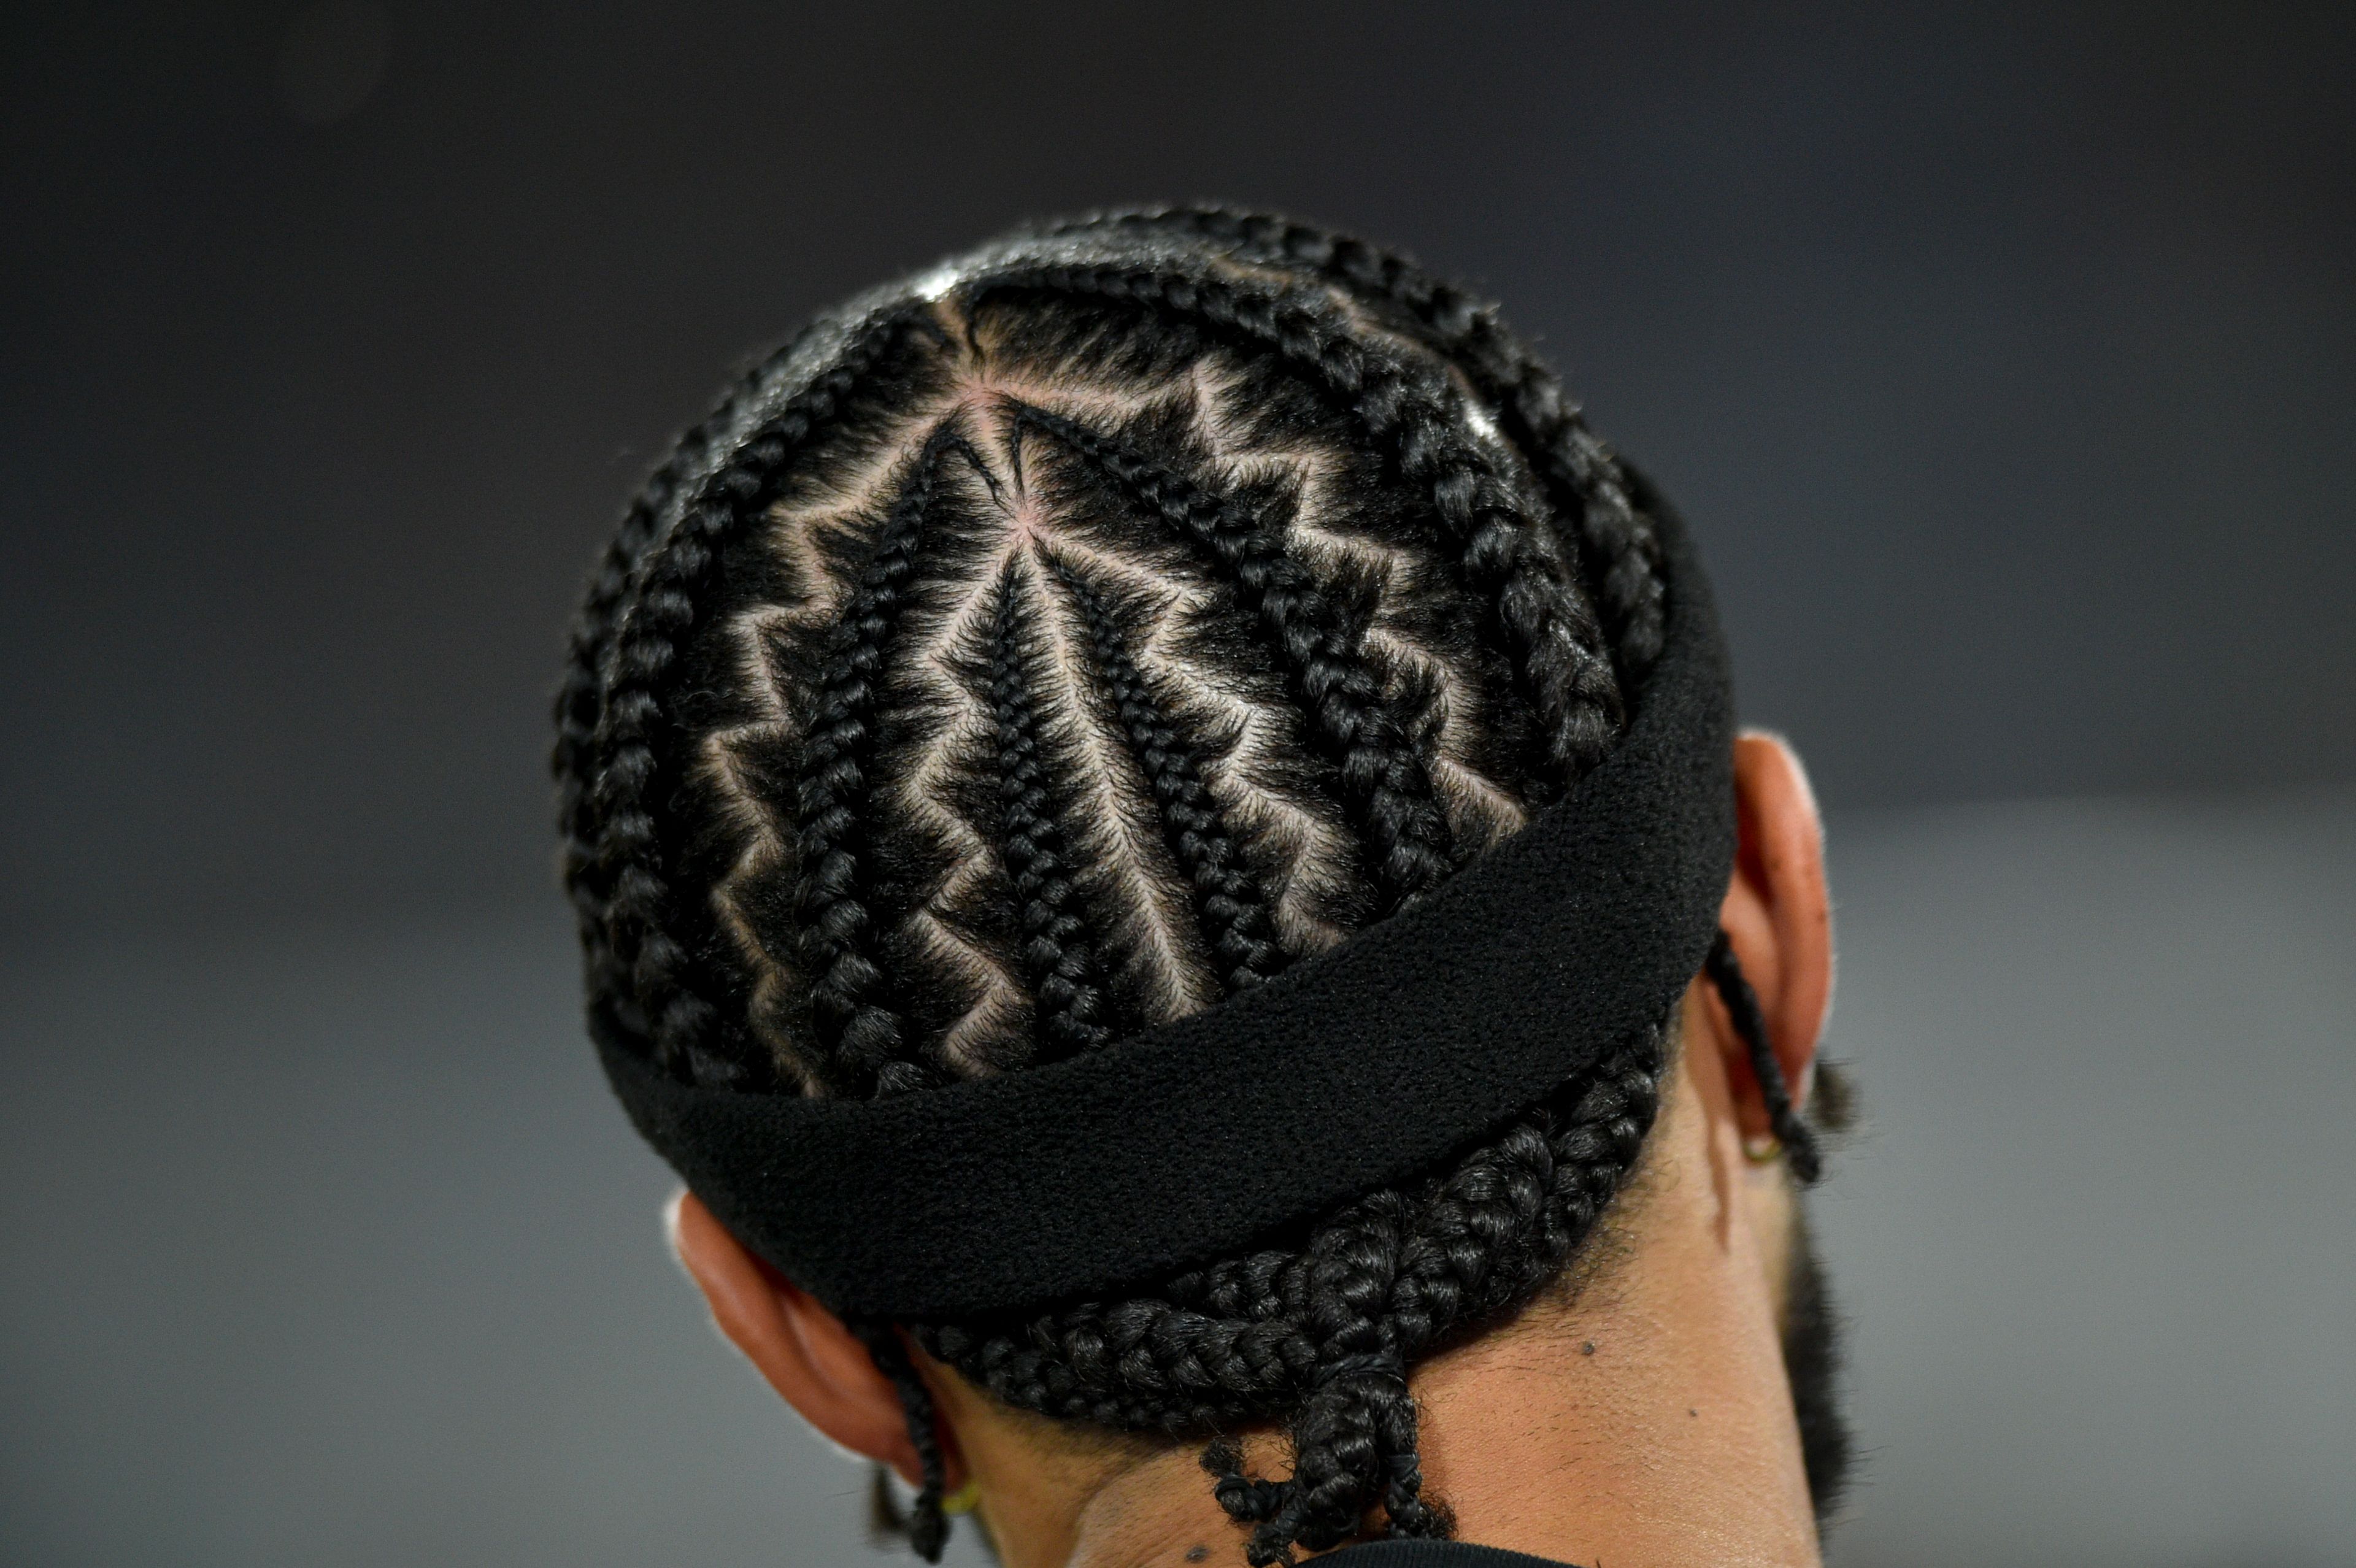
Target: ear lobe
[
  {"x": 1777, "y": 913},
  {"x": 805, "y": 1351}
]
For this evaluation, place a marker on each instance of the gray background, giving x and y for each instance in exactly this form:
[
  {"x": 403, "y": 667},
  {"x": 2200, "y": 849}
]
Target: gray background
[{"x": 2005, "y": 361}]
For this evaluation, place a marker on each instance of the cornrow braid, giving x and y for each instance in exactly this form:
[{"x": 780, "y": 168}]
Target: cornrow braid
[
  {"x": 1234, "y": 910},
  {"x": 1384, "y": 778},
  {"x": 1057, "y": 951},
  {"x": 879, "y": 770},
  {"x": 856, "y": 1031}
]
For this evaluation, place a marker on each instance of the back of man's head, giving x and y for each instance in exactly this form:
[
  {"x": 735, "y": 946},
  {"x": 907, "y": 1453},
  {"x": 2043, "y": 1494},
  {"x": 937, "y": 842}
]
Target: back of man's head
[{"x": 1067, "y": 643}]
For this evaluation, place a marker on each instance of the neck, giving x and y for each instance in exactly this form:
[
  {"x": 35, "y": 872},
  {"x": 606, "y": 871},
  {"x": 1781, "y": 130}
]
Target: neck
[{"x": 1643, "y": 1417}]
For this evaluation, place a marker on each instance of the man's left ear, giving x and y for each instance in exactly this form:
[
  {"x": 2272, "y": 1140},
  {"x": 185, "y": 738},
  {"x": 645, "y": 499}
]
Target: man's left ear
[
  {"x": 1776, "y": 913},
  {"x": 807, "y": 1353}
]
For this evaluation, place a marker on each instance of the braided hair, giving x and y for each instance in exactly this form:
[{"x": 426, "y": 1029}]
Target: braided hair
[{"x": 1052, "y": 651}]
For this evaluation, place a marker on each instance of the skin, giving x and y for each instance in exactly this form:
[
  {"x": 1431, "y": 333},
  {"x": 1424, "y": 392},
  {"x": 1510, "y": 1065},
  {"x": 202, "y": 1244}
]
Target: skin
[{"x": 1638, "y": 1412}]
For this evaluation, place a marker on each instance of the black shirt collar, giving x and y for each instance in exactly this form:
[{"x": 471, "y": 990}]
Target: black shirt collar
[{"x": 1430, "y": 1554}]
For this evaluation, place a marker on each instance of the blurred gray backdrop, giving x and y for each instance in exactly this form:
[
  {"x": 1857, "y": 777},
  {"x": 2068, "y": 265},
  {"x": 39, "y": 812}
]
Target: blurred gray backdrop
[{"x": 2004, "y": 360}]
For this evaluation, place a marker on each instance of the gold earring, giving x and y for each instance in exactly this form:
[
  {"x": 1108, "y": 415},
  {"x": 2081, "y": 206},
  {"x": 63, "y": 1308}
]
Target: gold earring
[
  {"x": 1763, "y": 1148},
  {"x": 963, "y": 1499}
]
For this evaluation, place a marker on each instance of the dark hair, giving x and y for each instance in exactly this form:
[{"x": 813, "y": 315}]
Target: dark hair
[{"x": 1144, "y": 607}]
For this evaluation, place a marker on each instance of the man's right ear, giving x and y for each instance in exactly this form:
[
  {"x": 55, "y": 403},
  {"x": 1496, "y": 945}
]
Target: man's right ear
[
  {"x": 806, "y": 1352},
  {"x": 1777, "y": 913}
]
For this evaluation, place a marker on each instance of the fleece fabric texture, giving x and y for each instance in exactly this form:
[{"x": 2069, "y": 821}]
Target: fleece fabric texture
[{"x": 1363, "y": 1067}]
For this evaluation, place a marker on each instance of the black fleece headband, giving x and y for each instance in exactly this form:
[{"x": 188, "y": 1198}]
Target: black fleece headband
[{"x": 1353, "y": 1069}]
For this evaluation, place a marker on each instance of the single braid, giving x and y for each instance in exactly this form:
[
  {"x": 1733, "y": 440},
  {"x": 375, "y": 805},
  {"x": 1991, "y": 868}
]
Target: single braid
[
  {"x": 1059, "y": 959},
  {"x": 1227, "y": 897},
  {"x": 578, "y": 702},
  {"x": 1384, "y": 779},
  {"x": 1799, "y": 1140},
  {"x": 858, "y": 1032},
  {"x": 928, "y": 1525}
]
